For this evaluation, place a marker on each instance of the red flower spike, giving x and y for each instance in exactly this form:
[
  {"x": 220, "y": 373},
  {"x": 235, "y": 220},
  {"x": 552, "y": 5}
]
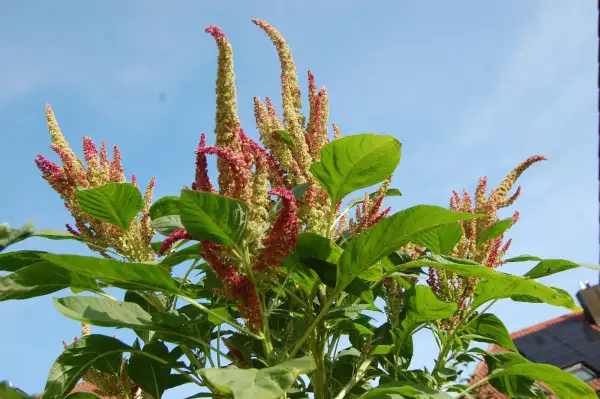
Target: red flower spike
[
  {"x": 202, "y": 181},
  {"x": 282, "y": 235},
  {"x": 176, "y": 235},
  {"x": 116, "y": 167},
  {"x": 216, "y": 32},
  {"x": 312, "y": 88},
  {"x": 236, "y": 163},
  {"x": 493, "y": 258},
  {"x": 90, "y": 153},
  {"x": 72, "y": 230}
]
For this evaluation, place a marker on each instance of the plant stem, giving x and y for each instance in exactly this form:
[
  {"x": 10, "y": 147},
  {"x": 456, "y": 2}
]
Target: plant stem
[
  {"x": 185, "y": 276},
  {"x": 314, "y": 324},
  {"x": 221, "y": 318},
  {"x": 219, "y": 345},
  {"x": 359, "y": 374},
  {"x": 472, "y": 387}
]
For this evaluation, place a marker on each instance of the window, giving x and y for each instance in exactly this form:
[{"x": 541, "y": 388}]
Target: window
[{"x": 582, "y": 372}]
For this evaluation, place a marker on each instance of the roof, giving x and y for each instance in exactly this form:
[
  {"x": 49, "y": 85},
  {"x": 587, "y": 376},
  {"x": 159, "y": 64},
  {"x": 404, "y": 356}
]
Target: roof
[
  {"x": 89, "y": 388},
  {"x": 487, "y": 391}
]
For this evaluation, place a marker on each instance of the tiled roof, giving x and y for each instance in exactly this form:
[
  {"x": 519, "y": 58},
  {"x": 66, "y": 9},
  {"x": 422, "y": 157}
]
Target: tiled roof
[{"x": 487, "y": 391}]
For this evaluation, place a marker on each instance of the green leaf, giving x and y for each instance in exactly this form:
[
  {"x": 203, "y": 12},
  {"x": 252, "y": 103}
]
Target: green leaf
[
  {"x": 494, "y": 231},
  {"x": 77, "y": 358},
  {"x": 10, "y": 236},
  {"x": 15, "y": 260},
  {"x": 151, "y": 375},
  {"x": 7, "y": 392},
  {"x": 523, "y": 258},
  {"x": 42, "y": 278},
  {"x": 490, "y": 329},
  {"x": 495, "y": 285},
  {"x": 187, "y": 253},
  {"x": 165, "y": 225},
  {"x": 443, "y": 239},
  {"x": 165, "y": 206},
  {"x": 213, "y": 217},
  {"x": 126, "y": 275},
  {"x": 513, "y": 286},
  {"x": 400, "y": 390},
  {"x": 53, "y": 234},
  {"x": 422, "y": 305},
  {"x": 548, "y": 267},
  {"x": 355, "y": 162},
  {"x": 390, "y": 234},
  {"x": 267, "y": 383},
  {"x": 563, "y": 384},
  {"x": 104, "y": 312},
  {"x": 114, "y": 203}
]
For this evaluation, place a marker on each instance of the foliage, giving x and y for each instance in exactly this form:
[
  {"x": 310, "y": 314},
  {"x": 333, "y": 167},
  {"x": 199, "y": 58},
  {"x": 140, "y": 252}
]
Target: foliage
[{"x": 284, "y": 276}]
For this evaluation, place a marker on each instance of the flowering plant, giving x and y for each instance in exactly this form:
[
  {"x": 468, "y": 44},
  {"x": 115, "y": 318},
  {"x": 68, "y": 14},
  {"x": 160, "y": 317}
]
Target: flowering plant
[{"x": 287, "y": 279}]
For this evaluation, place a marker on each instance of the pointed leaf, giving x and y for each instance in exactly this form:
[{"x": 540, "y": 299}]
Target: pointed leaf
[
  {"x": 354, "y": 162},
  {"x": 213, "y": 217},
  {"x": 513, "y": 286},
  {"x": 422, "y": 305},
  {"x": 443, "y": 239},
  {"x": 400, "y": 390},
  {"x": 494, "y": 231},
  {"x": 165, "y": 206},
  {"x": 151, "y": 375},
  {"x": 53, "y": 234},
  {"x": 184, "y": 254},
  {"x": 390, "y": 234},
  {"x": 548, "y": 267},
  {"x": 125, "y": 275},
  {"x": 267, "y": 383},
  {"x": 104, "y": 312},
  {"x": 165, "y": 225},
  {"x": 77, "y": 358},
  {"x": 563, "y": 384},
  {"x": 15, "y": 260},
  {"x": 114, "y": 203},
  {"x": 490, "y": 329},
  {"x": 42, "y": 278},
  {"x": 524, "y": 258}
]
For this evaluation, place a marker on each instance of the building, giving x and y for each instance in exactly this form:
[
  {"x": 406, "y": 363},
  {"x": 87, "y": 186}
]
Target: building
[{"x": 570, "y": 342}]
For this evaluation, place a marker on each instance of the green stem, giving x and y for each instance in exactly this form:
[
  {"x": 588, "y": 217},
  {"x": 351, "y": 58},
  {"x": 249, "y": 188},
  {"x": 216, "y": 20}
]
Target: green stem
[
  {"x": 314, "y": 324},
  {"x": 359, "y": 374},
  {"x": 472, "y": 387},
  {"x": 185, "y": 276},
  {"x": 219, "y": 345},
  {"x": 221, "y": 318}
]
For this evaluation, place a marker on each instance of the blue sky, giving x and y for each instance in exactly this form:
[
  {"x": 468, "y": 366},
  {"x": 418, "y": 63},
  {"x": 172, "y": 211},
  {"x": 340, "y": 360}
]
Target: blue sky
[{"x": 470, "y": 88}]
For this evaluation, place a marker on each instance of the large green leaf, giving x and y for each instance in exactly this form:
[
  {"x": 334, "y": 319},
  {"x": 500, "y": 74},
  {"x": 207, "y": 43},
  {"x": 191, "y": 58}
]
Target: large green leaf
[
  {"x": 128, "y": 275},
  {"x": 77, "y": 358},
  {"x": 165, "y": 225},
  {"x": 53, "y": 234},
  {"x": 490, "y": 329},
  {"x": 402, "y": 390},
  {"x": 563, "y": 384},
  {"x": 267, "y": 383},
  {"x": 10, "y": 236},
  {"x": 164, "y": 207},
  {"x": 149, "y": 374},
  {"x": 390, "y": 234},
  {"x": 213, "y": 217},
  {"x": 184, "y": 254},
  {"x": 513, "y": 286},
  {"x": 548, "y": 267},
  {"x": 494, "y": 231},
  {"x": 114, "y": 203},
  {"x": 104, "y": 312},
  {"x": 495, "y": 285},
  {"x": 443, "y": 239},
  {"x": 354, "y": 162},
  {"x": 422, "y": 305},
  {"x": 15, "y": 260},
  {"x": 40, "y": 278}
]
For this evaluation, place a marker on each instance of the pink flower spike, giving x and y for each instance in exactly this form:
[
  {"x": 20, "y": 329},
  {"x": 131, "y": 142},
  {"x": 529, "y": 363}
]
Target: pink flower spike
[
  {"x": 202, "y": 181},
  {"x": 116, "y": 167},
  {"x": 72, "y": 230},
  {"x": 515, "y": 217},
  {"x": 216, "y": 32},
  {"x": 134, "y": 180},
  {"x": 282, "y": 235},
  {"x": 312, "y": 87},
  {"x": 176, "y": 235}
]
